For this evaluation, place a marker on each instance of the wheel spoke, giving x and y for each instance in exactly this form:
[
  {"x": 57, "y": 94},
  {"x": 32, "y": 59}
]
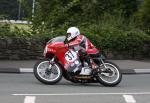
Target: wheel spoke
[
  {"x": 51, "y": 75},
  {"x": 106, "y": 74}
]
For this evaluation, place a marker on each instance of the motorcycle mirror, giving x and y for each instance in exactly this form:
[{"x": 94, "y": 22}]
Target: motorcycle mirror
[{"x": 66, "y": 41}]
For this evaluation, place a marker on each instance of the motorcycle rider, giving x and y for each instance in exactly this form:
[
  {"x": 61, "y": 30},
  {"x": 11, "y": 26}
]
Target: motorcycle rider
[{"x": 80, "y": 43}]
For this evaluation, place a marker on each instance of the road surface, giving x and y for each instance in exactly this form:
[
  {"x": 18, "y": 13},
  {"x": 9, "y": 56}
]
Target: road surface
[{"x": 24, "y": 88}]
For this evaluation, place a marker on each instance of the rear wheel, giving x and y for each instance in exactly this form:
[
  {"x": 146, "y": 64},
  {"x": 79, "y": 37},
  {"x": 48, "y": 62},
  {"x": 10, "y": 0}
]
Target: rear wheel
[
  {"x": 109, "y": 74},
  {"x": 47, "y": 73}
]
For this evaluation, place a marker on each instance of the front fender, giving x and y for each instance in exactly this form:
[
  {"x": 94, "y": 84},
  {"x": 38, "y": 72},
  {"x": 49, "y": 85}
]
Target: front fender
[{"x": 48, "y": 51}]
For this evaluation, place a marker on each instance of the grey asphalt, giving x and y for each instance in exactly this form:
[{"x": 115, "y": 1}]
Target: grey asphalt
[
  {"x": 127, "y": 66},
  {"x": 14, "y": 88}
]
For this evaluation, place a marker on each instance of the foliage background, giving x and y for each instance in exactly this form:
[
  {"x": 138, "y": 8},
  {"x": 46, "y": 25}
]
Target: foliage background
[{"x": 116, "y": 27}]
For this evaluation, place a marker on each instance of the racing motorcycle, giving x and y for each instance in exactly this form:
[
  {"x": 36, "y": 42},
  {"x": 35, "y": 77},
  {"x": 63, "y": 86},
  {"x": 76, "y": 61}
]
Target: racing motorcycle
[{"x": 63, "y": 61}]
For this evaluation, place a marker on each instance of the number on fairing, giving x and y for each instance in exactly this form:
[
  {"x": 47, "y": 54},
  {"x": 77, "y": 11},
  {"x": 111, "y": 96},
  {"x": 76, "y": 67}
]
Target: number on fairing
[{"x": 70, "y": 56}]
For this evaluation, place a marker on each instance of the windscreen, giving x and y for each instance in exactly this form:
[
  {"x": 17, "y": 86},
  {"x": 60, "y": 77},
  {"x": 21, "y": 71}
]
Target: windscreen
[{"x": 57, "y": 39}]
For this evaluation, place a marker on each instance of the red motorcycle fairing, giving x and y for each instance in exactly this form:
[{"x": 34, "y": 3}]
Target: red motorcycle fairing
[{"x": 59, "y": 50}]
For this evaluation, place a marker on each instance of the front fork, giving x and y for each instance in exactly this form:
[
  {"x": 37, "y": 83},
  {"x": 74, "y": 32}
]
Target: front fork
[{"x": 51, "y": 63}]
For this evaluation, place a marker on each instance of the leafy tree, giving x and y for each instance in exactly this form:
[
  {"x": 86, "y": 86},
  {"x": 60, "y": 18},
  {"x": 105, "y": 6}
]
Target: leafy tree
[
  {"x": 143, "y": 16},
  {"x": 10, "y": 8},
  {"x": 55, "y": 14}
]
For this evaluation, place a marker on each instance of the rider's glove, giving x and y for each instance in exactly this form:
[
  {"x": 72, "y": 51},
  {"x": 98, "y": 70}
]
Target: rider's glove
[{"x": 67, "y": 45}]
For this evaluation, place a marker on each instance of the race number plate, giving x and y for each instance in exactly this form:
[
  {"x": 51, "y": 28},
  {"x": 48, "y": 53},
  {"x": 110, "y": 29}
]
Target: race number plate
[{"x": 70, "y": 56}]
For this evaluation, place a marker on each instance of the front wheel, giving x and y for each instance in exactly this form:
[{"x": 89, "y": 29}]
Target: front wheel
[
  {"x": 47, "y": 73},
  {"x": 109, "y": 74}
]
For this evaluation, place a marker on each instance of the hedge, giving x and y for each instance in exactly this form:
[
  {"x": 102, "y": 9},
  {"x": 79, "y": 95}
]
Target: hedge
[{"x": 111, "y": 40}]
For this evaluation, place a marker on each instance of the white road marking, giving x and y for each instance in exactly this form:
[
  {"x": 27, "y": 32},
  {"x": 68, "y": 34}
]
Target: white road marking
[
  {"x": 78, "y": 94},
  {"x": 129, "y": 99},
  {"x": 142, "y": 70},
  {"x": 29, "y": 99},
  {"x": 30, "y": 70},
  {"x": 26, "y": 70}
]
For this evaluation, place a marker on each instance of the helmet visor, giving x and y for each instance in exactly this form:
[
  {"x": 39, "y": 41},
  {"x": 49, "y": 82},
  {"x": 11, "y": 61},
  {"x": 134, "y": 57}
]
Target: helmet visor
[{"x": 68, "y": 35}]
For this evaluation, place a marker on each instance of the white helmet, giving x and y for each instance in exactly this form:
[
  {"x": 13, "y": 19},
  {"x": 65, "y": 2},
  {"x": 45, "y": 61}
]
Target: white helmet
[{"x": 72, "y": 32}]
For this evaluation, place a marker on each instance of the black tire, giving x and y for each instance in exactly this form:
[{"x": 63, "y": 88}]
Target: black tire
[
  {"x": 116, "y": 82},
  {"x": 41, "y": 79}
]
